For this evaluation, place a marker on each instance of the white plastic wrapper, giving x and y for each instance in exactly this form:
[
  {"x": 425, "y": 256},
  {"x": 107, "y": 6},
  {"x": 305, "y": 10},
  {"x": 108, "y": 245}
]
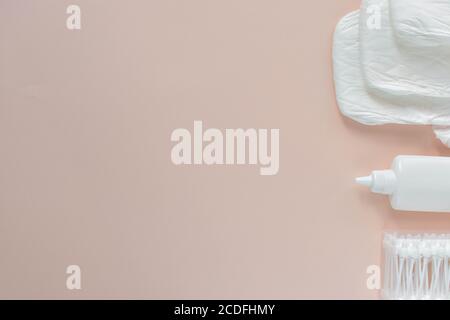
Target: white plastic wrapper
[{"x": 443, "y": 134}]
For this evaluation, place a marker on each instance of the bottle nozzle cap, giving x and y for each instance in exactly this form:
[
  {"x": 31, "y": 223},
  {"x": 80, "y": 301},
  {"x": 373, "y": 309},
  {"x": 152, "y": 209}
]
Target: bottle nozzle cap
[
  {"x": 364, "y": 181},
  {"x": 379, "y": 182}
]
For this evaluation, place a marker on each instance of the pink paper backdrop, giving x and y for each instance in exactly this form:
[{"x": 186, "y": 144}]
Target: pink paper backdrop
[{"x": 86, "y": 176}]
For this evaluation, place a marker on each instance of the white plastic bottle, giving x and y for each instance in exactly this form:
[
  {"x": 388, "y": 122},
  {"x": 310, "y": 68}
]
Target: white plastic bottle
[{"x": 415, "y": 183}]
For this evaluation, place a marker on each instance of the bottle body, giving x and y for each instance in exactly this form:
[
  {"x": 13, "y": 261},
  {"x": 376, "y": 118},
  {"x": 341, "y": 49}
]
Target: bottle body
[
  {"x": 422, "y": 184},
  {"x": 414, "y": 183}
]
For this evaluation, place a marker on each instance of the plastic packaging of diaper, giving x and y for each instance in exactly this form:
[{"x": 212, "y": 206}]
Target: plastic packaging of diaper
[{"x": 379, "y": 79}]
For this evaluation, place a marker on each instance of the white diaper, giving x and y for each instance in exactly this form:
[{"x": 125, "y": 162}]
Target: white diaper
[
  {"x": 424, "y": 23},
  {"x": 358, "y": 103},
  {"x": 403, "y": 72}
]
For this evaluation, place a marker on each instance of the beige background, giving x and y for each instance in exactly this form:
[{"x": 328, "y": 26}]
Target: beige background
[{"x": 85, "y": 170}]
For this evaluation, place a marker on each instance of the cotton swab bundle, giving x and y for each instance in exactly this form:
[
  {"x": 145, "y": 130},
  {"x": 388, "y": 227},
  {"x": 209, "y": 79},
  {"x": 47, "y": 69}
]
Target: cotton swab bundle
[{"x": 416, "y": 267}]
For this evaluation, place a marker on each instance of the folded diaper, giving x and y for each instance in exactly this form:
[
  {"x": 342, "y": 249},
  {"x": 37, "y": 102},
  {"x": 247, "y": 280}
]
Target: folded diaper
[
  {"x": 391, "y": 68},
  {"x": 424, "y": 23},
  {"x": 359, "y": 103}
]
